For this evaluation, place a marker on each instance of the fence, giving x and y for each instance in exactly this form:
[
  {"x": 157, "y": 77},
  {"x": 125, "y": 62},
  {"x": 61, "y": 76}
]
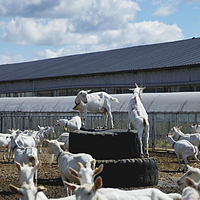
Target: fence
[{"x": 160, "y": 123}]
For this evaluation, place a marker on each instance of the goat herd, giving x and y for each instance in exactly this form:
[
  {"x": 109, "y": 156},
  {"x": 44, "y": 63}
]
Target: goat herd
[{"x": 78, "y": 170}]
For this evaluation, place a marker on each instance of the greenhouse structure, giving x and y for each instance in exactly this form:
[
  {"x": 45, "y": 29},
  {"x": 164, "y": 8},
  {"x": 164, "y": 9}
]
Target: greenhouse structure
[{"x": 165, "y": 110}]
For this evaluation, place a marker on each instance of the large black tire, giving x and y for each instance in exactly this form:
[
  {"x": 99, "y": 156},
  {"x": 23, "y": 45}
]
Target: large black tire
[
  {"x": 106, "y": 144},
  {"x": 128, "y": 173}
]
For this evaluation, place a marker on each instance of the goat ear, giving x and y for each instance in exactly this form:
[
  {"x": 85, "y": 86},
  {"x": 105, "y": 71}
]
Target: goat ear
[
  {"x": 73, "y": 172},
  {"x": 190, "y": 182},
  {"x": 98, "y": 170},
  {"x": 36, "y": 167},
  {"x": 131, "y": 89},
  {"x": 18, "y": 165},
  {"x": 88, "y": 91},
  {"x": 136, "y": 85},
  {"x": 97, "y": 184},
  {"x": 14, "y": 189},
  {"x": 71, "y": 186}
]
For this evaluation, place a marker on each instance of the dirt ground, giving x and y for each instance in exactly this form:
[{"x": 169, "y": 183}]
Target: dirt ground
[{"x": 48, "y": 175}]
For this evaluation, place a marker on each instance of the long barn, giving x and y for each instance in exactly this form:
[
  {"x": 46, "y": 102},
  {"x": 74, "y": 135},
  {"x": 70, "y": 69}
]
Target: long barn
[{"x": 163, "y": 67}]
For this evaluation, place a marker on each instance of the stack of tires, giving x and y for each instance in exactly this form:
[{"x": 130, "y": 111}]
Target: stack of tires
[{"x": 119, "y": 151}]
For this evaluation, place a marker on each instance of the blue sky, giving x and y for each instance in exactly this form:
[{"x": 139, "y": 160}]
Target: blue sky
[{"x": 40, "y": 29}]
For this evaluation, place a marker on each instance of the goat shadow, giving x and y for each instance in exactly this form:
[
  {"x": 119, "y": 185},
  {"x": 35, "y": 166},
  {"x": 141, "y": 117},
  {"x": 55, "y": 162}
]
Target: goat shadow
[
  {"x": 5, "y": 193},
  {"x": 50, "y": 181},
  {"x": 172, "y": 171}
]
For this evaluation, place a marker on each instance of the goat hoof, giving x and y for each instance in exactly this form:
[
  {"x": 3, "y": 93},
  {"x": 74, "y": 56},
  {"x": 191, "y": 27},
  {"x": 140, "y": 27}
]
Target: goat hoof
[{"x": 146, "y": 155}]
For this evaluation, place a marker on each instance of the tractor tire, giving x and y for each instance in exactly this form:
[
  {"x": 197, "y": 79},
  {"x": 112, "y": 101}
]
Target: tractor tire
[
  {"x": 127, "y": 173},
  {"x": 105, "y": 144}
]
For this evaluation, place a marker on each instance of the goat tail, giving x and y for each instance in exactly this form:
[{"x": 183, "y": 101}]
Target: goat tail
[{"x": 114, "y": 99}]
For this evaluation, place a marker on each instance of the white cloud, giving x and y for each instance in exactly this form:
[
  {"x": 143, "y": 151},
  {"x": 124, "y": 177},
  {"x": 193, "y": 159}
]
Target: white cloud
[
  {"x": 164, "y": 11},
  {"x": 64, "y": 22},
  {"x": 147, "y": 32},
  {"x": 8, "y": 58},
  {"x": 69, "y": 50},
  {"x": 165, "y": 7},
  {"x": 41, "y": 32},
  {"x": 82, "y": 26},
  {"x": 90, "y": 11}
]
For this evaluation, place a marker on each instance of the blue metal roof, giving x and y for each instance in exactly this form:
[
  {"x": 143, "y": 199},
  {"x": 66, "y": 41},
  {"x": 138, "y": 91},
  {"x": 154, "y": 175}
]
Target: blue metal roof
[{"x": 154, "y": 56}]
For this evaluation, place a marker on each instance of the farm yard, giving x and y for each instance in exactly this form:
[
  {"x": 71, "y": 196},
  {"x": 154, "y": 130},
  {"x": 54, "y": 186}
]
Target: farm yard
[
  {"x": 48, "y": 175},
  {"x": 118, "y": 149}
]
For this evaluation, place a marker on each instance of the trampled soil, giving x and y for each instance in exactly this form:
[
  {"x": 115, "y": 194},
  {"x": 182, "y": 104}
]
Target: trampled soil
[{"x": 48, "y": 175}]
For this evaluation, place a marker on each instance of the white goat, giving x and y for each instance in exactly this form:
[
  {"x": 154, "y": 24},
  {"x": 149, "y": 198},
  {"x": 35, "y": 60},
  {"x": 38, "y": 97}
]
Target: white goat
[
  {"x": 192, "y": 172},
  {"x": 85, "y": 174},
  {"x": 30, "y": 138},
  {"x": 95, "y": 192},
  {"x": 71, "y": 125},
  {"x": 26, "y": 172},
  {"x": 183, "y": 148},
  {"x": 138, "y": 117},
  {"x": 179, "y": 135},
  {"x": 195, "y": 128},
  {"x": 66, "y": 159},
  {"x": 63, "y": 139},
  {"x": 29, "y": 191},
  {"x": 25, "y": 140},
  {"x": 43, "y": 133},
  {"x": 5, "y": 135},
  {"x": 24, "y": 154},
  {"x": 189, "y": 193},
  {"x": 94, "y": 102},
  {"x": 5, "y": 142}
]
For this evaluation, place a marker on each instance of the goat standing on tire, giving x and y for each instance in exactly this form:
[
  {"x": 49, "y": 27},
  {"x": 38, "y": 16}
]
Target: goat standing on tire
[
  {"x": 95, "y": 102},
  {"x": 138, "y": 117}
]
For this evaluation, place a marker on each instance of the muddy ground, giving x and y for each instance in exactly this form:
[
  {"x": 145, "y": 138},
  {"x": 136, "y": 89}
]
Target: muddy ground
[{"x": 48, "y": 175}]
